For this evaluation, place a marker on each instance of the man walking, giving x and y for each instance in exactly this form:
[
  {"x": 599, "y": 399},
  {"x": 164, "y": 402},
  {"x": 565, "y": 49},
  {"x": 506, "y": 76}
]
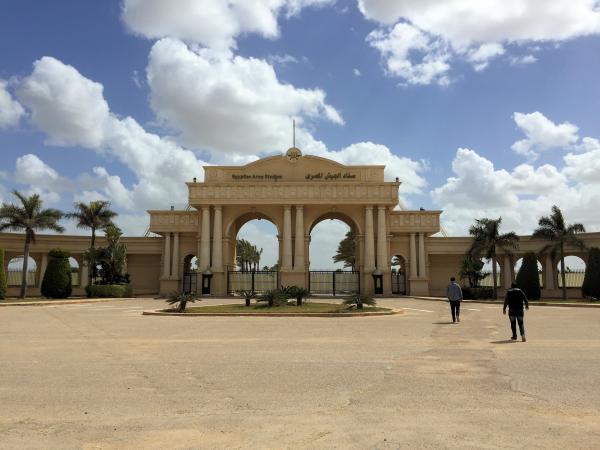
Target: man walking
[
  {"x": 455, "y": 296},
  {"x": 515, "y": 298}
]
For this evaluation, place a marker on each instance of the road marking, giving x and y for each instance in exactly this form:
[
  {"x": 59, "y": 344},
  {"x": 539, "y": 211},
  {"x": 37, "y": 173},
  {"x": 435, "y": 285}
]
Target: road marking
[
  {"x": 422, "y": 310},
  {"x": 470, "y": 309}
]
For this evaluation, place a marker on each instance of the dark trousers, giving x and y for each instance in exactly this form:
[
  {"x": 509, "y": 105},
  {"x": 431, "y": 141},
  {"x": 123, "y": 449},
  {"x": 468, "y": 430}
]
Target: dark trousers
[
  {"x": 514, "y": 318},
  {"x": 455, "y": 308}
]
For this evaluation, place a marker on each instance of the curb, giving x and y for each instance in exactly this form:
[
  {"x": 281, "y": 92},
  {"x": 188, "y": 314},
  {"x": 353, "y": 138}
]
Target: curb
[
  {"x": 64, "y": 302},
  {"x": 361, "y": 314},
  {"x": 498, "y": 302}
]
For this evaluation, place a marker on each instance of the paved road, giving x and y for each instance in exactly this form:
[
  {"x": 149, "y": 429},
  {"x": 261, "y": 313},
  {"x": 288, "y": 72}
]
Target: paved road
[{"x": 103, "y": 376}]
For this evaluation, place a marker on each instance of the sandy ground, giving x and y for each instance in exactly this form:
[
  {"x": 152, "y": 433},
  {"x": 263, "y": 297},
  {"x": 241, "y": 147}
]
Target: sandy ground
[{"x": 102, "y": 376}]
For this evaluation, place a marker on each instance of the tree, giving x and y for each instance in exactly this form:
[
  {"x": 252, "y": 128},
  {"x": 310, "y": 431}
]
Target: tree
[
  {"x": 346, "y": 251},
  {"x": 359, "y": 300},
  {"x": 95, "y": 215},
  {"x": 3, "y": 285},
  {"x": 182, "y": 299},
  {"x": 554, "y": 229},
  {"x": 30, "y": 218},
  {"x": 487, "y": 239},
  {"x": 57, "y": 278},
  {"x": 591, "y": 282},
  {"x": 113, "y": 257},
  {"x": 528, "y": 278},
  {"x": 247, "y": 256},
  {"x": 471, "y": 269}
]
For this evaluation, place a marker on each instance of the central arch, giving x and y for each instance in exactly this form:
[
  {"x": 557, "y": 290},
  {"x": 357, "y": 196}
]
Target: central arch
[{"x": 335, "y": 280}]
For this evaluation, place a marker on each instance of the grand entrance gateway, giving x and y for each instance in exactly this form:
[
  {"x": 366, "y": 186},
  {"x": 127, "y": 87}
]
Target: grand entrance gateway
[
  {"x": 396, "y": 251},
  {"x": 295, "y": 192}
]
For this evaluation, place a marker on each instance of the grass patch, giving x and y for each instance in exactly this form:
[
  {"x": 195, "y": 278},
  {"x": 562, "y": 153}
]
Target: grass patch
[{"x": 260, "y": 308}]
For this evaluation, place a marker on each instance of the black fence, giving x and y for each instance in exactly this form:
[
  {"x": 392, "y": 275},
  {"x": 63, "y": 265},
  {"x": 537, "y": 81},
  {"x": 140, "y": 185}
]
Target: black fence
[
  {"x": 399, "y": 283},
  {"x": 334, "y": 282},
  {"x": 190, "y": 283},
  {"x": 257, "y": 281}
]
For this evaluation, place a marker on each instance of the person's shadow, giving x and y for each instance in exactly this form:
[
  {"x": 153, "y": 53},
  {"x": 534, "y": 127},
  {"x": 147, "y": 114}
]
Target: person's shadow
[
  {"x": 505, "y": 341},
  {"x": 442, "y": 323}
]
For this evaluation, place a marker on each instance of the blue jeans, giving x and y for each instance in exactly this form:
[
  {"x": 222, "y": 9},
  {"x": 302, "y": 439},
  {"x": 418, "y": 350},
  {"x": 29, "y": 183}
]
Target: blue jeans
[{"x": 514, "y": 318}]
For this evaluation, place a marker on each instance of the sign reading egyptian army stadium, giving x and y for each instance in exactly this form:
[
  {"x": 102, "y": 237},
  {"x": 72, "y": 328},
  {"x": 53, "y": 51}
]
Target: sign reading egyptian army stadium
[{"x": 318, "y": 176}]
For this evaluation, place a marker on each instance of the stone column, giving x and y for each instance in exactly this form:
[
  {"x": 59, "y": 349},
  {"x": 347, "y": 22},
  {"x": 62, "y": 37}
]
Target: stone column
[
  {"x": 382, "y": 254},
  {"x": 286, "y": 264},
  {"x": 175, "y": 266},
  {"x": 413, "y": 256},
  {"x": 43, "y": 266},
  {"x": 507, "y": 272},
  {"x": 83, "y": 273},
  {"x": 204, "y": 260},
  {"x": 218, "y": 240},
  {"x": 299, "y": 244},
  {"x": 549, "y": 281},
  {"x": 422, "y": 265},
  {"x": 369, "y": 240},
  {"x": 167, "y": 256}
]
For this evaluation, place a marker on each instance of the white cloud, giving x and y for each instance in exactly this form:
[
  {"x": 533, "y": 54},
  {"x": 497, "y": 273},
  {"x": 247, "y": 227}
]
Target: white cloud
[
  {"x": 210, "y": 23},
  {"x": 402, "y": 45},
  {"x": 523, "y": 60},
  {"x": 480, "y": 57},
  {"x": 356, "y": 72},
  {"x": 10, "y": 110},
  {"x": 31, "y": 170},
  {"x": 584, "y": 167},
  {"x": 282, "y": 59},
  {"x": 466, "y": 27},
  {"x": 542, "y": 134},
  {"x": 71, "y": 110},
  {"x": 229, "y": 104}
]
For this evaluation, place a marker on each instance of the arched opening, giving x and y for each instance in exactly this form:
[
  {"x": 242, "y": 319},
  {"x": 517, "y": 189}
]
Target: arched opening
[
  {"x": 74, "y": 264},
  {"x": 254, "y": 253},
  {"x": 190, "y": 264},
  {"x": 333, "y": 255},
  {"x": 15, "y": 270},
  {"x": 190, "y": 273},
  {"x": 399, "y": 271},
  {"x": 574, "y": 272},
  {"x": 518, "y": 265},
  {"x": 487, "y": 270}
]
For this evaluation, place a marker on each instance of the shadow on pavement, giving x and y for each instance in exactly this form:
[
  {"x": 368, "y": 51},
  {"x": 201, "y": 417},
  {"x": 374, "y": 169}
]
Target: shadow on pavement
[
  {"x": 506, "y": 341},
  {"x": 442, "y": 323}
]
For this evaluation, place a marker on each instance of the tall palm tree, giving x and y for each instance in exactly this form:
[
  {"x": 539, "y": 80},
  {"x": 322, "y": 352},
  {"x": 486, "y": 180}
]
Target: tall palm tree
[
  {"x": 95, "y": 215},
  {"x": 487, "y": 239},
  {"x": 554, "y": 229},
  {"x": 346, "y": 251},
  {"x": 28, "y": 217}
]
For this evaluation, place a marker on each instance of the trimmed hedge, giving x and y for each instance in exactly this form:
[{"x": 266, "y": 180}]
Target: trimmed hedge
[
  {"x": 57, "y": 278},
  {"x": 3, "y": 285},
  {"x": 478, "y": 293},
  {"x": 591, "y": 282},
  {"x": 109, "y": 290},
  {"x": 528, "y": 278}
]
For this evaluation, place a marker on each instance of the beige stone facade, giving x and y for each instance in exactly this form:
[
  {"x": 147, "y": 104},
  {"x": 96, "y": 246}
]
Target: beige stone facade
[{"x": 295, "y": 193}]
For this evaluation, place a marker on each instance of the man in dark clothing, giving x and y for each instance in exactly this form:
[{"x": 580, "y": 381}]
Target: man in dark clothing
[
  {"x": 455, "y": 296},
  {"x": 515, "y": 298}
]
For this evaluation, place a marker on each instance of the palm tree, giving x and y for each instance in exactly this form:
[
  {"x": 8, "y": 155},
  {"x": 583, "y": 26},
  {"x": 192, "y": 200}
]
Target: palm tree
[
  {"x": 554, "y": 229},
  {"x": 29, "y": 217},
  {"x": 346, "y": 251},
  {"x": 486, "y": 239},
  {"x": 96, "y": 215}
]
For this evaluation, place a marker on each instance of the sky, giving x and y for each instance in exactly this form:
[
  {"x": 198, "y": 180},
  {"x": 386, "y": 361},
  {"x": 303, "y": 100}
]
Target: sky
[{"x": 482, "y": 108}]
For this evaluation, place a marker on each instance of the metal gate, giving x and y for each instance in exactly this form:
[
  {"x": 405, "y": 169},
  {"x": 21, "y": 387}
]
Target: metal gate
[
  {"x": 334, "y": 282},
  {"x": 399, "y": 282},
  {"x": 257, "y": 281},
  {"x": 190, "y": 282}
]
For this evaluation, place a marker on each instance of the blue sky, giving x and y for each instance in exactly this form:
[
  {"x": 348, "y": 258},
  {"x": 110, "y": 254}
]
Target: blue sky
[{"x": 94, "y": 94}]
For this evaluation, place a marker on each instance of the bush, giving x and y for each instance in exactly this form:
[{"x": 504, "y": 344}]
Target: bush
[
  {"x": 57, "y": 278},
  {"x": 528, "y": 278},
  {"x": 3, "y": 285},
  {"x": 182, "y": 299},
  {"x": 297, "y": 293},
  {"x": 109, "y": 290},
  {"x": 591, "y": 282},
  {"x": 478, "y": 293},
  {"x": 359, "y": 300},
  {"x": 247, "y": 294},
  {"x": 273, "y": 297}
]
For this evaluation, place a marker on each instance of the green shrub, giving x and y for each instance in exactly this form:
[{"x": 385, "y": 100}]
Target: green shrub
[
  {"x": 478, "y": 293},
  {"x": 57, "y": 278},
  {"x": 182, "y": 299},
  {"x": 591, "y": 282},
  {"x": 528, "y": 278},
  {"x": 247, "y": 294},
  {"x": 109, "y": 290},
  {"x": 3, "y": 285},
  {"x": 296, "y": 292},
  {"x": 359, "y": 300},
  {"x": 273, "y": 297}
]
